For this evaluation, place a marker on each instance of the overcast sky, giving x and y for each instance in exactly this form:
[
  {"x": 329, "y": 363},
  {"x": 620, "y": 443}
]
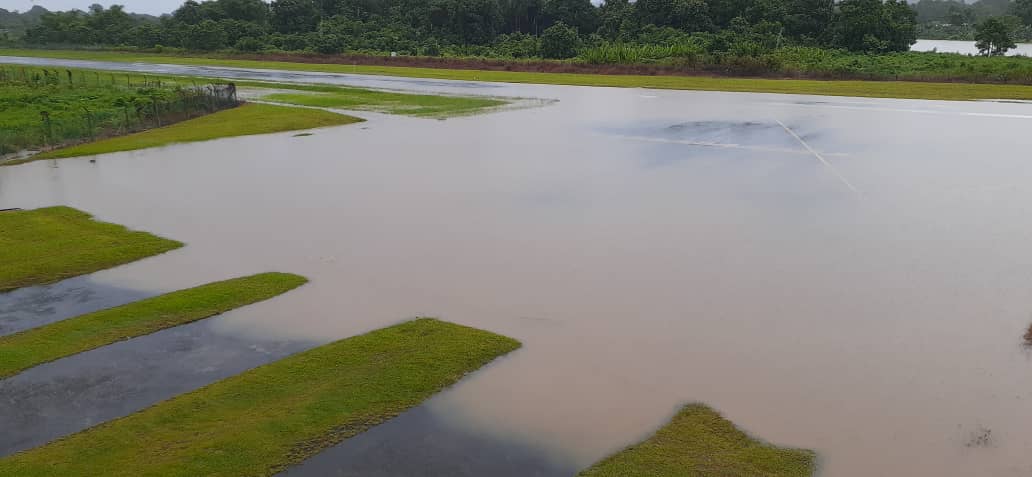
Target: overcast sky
[{"x": 154, "y": 7}]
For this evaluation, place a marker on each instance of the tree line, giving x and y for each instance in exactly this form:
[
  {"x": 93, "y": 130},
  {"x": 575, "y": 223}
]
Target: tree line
[{"x": 500, "y": 28}]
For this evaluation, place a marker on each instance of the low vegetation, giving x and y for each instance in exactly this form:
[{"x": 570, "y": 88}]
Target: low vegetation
[
  {"x": 699, "y": 442},
  {"x": 382, "y": 101},
  {"x": 241, "y": 121},
  {"x": 878, "y": 89},
  {"x": 44, "y": 108},
  {"x": 264, "y": 420},
  {"x": 47, "y": 245},
  {"x": 36, "y": 346}
]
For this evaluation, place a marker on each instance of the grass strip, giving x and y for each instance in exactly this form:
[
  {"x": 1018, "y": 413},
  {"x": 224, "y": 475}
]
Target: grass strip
[
  {"x": 262, "y": 421},
  {"x": 421, "y": 105},
  {"x": 699, "y": 442},
  {"x": 874, "y": 89},
  {"x": 36, "y": 346},
  {"x": 245, "y": 120},
  {"x": 47, "y": 245}
]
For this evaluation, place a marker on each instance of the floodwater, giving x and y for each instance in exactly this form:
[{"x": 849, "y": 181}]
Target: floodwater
[
  {"x": 848, "y": 275},
  {"x": 66, "y": 396},
  {"x": 964, "y": 47},
  {"x": 30, "y": 307}
]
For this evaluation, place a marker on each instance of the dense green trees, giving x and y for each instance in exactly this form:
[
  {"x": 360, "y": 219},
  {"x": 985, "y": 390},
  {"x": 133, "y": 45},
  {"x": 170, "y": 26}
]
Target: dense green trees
[{"x": 510, "y": 28}]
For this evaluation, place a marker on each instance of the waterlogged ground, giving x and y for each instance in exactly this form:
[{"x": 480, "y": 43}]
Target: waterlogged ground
[{"x": 852, "y": 276}]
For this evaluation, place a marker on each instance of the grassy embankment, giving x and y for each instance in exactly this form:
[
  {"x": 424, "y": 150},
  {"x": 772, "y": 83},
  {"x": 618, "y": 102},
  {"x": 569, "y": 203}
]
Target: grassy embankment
[
  {"x": 885, "y": 89},
  {"x": 36, "y": 346},
  {"x": 281, "y": 413},
  {"x": 47, "y": 245},
  {"x": 240, "y": 121},
  {"x": 699, "y": 442}
]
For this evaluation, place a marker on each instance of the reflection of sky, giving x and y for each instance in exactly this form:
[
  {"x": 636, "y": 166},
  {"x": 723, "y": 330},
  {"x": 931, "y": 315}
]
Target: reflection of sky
[{"x": 427, "y": 440}]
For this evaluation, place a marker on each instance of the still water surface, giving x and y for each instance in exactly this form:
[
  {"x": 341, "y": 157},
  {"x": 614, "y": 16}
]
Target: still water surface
[
  {"x": 848, "y": 275},
  {"x": 964, "y": 47}
]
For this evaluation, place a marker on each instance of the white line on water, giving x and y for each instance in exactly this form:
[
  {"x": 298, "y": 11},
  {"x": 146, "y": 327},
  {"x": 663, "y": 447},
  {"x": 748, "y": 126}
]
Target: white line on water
[
  {"x": 722, "y": 145},
  {"x": 878, "y": 109},
  {"x": 819, "y": 157}
]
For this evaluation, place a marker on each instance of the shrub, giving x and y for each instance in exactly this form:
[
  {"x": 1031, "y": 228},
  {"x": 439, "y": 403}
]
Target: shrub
[{"x": 559, "y": 41}]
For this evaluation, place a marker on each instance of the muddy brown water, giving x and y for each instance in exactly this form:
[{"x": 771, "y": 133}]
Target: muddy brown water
[{"x": 848, "y": 275}]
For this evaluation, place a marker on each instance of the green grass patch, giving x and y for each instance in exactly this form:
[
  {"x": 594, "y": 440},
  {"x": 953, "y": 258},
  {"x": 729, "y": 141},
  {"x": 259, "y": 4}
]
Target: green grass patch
[
  {"x": 241, "y": 121},
  {"x": 699, "y": 442},
  {"x": 47, "y": 245},
  {"x": 878, "y": 89},
  {"x": 385, "y": 102},
  {"x": 36, "y": 346},
  {"x": 266, "y": 419},
  {"x": 85, "y": 104}
]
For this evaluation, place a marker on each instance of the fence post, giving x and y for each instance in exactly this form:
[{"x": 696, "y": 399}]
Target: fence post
[{"x": 47, "y": 131}]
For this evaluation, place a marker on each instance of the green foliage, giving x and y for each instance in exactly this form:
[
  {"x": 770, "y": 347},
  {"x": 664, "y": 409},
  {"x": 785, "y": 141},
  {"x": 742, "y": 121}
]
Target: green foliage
[
  {"x": 36, "y": 346},
  {"x": 207, "y": 35},
  {"x": 1023, "y": 10},
  {"x": 43, "y": 246},
  {"x": 485, "y": 27},
  {"x": 875, "y": 25},
  {"x": 48, "y": 107},
  {"x": 262, "y": 421},
  {"x": 559, "y": 41},
  {"x": 294, "y": 16},
  {"x": 700, "y": 443},
  {"x": 992, "y": 37}
]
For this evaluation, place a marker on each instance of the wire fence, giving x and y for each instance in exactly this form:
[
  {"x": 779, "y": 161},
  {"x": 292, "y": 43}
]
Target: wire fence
[{"x": 48, "y": 108}]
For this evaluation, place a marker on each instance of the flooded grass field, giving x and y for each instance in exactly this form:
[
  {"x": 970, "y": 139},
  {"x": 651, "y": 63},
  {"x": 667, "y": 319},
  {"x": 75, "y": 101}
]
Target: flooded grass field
[{"x": 851, "y": 276}]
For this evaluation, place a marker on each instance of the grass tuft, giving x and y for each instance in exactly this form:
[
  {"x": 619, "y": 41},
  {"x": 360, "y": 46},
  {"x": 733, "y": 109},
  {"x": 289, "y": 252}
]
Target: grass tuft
[
  {"x": 47, "y": 245},
  {"x": 264, "y": 420},
  {"x": 36, "y": 346},
  {"x": 699, "y": 442}
]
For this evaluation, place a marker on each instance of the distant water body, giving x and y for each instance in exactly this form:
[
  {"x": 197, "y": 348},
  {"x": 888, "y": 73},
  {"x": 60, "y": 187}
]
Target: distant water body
[{"x": 965, "y": 47}]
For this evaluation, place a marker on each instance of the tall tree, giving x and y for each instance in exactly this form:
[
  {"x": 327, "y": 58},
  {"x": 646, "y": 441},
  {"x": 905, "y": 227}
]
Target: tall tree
[
  {"x": 874, "y": 26},
  {"x": 687, "y": 15},
  {"x": 808, "y": 20},
  {"x": 254, "y": 11},
  {"x": 294, "y": 16},
  {"x": 1023, "y": 10},
  {"x": 579, "y": 14},
  {"x": 993, "y": 37}
]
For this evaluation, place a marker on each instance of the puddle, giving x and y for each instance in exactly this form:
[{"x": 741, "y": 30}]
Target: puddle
[
  {"x": 30, "y": 307},
  {"x": 66, "y": 396}
]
